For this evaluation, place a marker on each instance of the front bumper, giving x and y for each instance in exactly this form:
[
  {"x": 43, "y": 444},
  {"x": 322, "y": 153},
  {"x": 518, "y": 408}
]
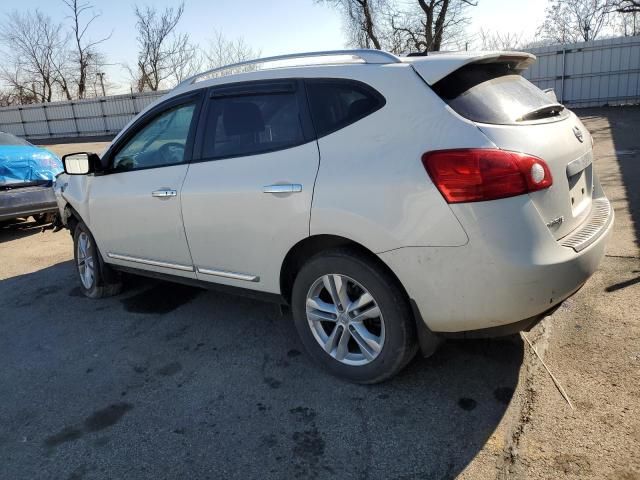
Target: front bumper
[
  {"x": 509, "y": 272},
  {"x": 26, "y": 201}
]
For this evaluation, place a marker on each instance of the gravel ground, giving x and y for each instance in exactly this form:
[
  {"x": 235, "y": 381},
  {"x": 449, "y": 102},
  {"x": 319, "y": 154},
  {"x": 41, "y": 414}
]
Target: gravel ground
[{"x": 167, "y": 381}]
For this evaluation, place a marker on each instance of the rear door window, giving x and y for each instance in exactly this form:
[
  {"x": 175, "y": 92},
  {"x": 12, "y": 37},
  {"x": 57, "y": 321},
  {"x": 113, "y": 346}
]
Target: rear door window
[
  {"x": 336, "y": 103},
  {"x": 493, "y": 93},
  {"x": 249, "y": 124}
]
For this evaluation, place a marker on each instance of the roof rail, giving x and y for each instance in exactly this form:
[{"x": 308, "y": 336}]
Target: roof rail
[{"x": 364, "y": 54}]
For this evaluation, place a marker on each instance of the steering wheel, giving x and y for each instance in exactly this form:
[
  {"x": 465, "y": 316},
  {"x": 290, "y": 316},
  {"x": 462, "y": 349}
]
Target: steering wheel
[{"x": 171, "y": 152}]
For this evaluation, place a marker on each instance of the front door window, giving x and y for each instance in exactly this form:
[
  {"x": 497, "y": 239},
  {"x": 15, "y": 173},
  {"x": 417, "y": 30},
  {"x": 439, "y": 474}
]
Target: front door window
[{"x": 160, "y": 143}]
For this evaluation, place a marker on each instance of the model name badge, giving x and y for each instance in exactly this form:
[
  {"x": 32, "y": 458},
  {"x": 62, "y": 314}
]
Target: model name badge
[{"x": 555, "y": 222}]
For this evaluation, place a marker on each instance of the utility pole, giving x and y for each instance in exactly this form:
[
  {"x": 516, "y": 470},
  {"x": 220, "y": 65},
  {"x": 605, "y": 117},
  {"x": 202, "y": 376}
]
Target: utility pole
[{"x": 101, "y": 75}]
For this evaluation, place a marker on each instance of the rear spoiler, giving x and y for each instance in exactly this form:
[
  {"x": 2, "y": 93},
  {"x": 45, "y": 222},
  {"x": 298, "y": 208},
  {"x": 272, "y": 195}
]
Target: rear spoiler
[{"x": 435, "y": 67}]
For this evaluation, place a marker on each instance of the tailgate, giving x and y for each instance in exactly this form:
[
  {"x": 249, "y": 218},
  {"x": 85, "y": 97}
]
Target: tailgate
[
  {"x": 567, "y": 203},
  {"x": 516, "y": 115}
]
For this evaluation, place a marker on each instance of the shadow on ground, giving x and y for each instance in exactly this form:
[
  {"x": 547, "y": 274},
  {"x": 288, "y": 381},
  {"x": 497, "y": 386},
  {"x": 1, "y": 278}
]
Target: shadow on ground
[
  {"x": 17, "y": 229},
  {"x": 166, "y": 381},
  {"x": 623, "y": 124}
]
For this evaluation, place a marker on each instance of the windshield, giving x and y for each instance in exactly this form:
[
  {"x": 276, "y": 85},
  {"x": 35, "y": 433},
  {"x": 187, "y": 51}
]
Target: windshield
[{"x": 492, "y": 93}]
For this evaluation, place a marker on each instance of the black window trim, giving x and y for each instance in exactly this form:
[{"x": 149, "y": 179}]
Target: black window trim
[
  {"x": 265, "y": 87},
  {"x": 250, "y": 88},
  {"x": 382, "y": 101},
  {"x": 194, "y": 97}
]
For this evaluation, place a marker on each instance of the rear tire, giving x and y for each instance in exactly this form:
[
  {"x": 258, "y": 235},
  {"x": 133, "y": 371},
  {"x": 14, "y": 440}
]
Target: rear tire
[
  {"x": 97, "y": 280},
  {"x": 353, "y": 317}
]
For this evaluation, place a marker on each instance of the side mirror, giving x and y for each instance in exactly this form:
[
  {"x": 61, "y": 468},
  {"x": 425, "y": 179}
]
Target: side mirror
[
  {"x": 551, "y": 94},
  {"x": 81, "y": 163}
]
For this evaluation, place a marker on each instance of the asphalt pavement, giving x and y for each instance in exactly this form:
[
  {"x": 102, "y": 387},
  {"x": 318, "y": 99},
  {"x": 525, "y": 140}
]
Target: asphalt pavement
[{"x": 168, "y": 381}]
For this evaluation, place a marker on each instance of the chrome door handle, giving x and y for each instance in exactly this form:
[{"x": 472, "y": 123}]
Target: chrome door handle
[
  {"x": 164, "y": 193},
  {"x": 283, "y": 188}
]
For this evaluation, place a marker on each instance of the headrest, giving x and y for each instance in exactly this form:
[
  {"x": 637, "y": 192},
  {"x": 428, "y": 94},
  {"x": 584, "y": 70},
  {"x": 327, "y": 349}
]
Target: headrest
[
  {"x": 241, "y": 118},
  {"x": 359, "y": 107}
]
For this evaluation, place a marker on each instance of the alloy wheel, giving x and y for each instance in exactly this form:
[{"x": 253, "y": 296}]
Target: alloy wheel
[
  {"x": 345, "y": 319},
  {"x": 86, "y": 263}
]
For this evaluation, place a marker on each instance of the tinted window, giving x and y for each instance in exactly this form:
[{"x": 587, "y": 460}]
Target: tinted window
[
  {"x": 251, "y": 124},
  {"x": 161, "y": 142},
  {"x": 8, "y": 139},
  {"x": 493, "y": 93},
  {"x": 337, "y": 103}
]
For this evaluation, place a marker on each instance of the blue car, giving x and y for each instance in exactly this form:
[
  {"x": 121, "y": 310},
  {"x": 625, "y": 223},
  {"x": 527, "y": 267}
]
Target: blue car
[{"x": 26, "y": 179}]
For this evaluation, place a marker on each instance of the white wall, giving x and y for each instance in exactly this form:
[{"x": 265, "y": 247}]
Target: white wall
[
  {"x": 92, "y": 117},
  {"x": 590, "y": 74}
]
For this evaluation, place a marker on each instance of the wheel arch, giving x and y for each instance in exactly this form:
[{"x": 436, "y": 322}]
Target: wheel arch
[
  {"x": 315, "y": 244},
  {"x": 71, "y": 217}
]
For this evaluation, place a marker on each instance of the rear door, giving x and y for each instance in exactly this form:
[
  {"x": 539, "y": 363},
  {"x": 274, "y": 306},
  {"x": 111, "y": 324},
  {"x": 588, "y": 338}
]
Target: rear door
[
  {"x": 516, "y": 115},
  {"x": 247, "y": 199}
]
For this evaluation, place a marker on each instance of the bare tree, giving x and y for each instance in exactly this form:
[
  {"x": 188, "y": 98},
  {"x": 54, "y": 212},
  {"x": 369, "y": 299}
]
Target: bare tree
[
  {"x": 161, "y": 49},
  {"x": 625, "y": 24},
  {"x": 186, "y": 62},
  {"x": 86, "y": 54},
  {"x": 404, "y": 26},
  {"x": 9, "y": 98},
  {"x": 34, "y": 51},
  {"x": 362, "y": 19},
  {"x": 628, "y": 6},
  {"x": 430, "y": 26},
  {"x": 222, "y": 51},
  {"x": 570, "y": 21},
  {"x": 626, "y": 19},
  {"x": 494, "y": 40}
]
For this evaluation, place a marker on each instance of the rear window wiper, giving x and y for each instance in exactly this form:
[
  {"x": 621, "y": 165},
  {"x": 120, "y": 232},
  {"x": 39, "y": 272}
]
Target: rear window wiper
[{"x": 550, "y": 110}]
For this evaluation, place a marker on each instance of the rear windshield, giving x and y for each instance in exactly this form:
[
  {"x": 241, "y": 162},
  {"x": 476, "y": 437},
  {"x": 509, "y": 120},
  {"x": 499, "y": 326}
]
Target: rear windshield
[
  {"x": 8, "y": 139},
  {"x": 493, "y": 93}
]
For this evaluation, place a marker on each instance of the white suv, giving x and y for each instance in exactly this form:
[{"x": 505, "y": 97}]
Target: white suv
[{"x": 390, "y": 201}]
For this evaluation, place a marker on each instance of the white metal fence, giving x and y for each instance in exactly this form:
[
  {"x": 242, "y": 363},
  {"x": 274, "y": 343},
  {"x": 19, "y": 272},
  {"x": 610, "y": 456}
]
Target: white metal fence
[
  {"x": 596, "y": 73},
  {"x": 102, "y": 116},
  {"x": 590, "y": 74}
]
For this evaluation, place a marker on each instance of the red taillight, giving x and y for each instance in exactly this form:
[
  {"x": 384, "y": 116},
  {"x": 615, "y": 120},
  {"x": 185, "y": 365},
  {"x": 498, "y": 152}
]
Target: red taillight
[{"x": 478, "y": 174}]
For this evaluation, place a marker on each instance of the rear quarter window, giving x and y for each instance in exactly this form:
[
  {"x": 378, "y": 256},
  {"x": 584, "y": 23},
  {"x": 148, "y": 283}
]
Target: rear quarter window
[{"x": 336, "y": 103}]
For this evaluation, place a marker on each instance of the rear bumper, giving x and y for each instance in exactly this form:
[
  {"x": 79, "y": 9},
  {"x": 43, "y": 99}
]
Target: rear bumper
[
  {"x": 509, "y": 272},
  {"x": 22, "y": 202}
]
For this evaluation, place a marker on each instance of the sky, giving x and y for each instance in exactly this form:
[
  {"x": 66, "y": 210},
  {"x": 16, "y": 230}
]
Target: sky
[{"x": 272, "y": 27}]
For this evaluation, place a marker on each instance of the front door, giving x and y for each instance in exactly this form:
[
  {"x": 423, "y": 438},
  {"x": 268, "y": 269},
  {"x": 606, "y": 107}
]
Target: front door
[
  {"x": 247, "y": 200},
  {"x": 134, "y": 208}
]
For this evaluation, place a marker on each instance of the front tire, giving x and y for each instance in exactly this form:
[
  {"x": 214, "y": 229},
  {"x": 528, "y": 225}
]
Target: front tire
[
  {"x": 97, "y": 280},
  {"x": 353, "y": 317}
]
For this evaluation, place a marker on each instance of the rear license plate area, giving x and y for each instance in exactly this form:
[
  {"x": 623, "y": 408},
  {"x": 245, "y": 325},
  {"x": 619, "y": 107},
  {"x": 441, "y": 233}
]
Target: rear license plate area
[{"x": 580, "y": 190}]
